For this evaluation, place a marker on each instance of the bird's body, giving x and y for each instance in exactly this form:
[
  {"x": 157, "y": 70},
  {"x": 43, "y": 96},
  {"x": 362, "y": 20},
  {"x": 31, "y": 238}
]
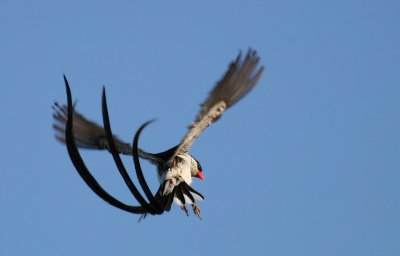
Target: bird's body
[
  {"x": 184, "y": 168},
  {"x": 185, "y": 165}
]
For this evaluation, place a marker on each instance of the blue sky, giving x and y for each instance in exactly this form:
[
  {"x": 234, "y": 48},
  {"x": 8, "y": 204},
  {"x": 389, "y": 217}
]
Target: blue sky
[{"x": 306, "y": 164}]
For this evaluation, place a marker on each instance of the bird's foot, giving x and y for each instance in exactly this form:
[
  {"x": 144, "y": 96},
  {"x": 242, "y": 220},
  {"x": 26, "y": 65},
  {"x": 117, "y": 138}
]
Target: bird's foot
[
  {"x": 142, "y": 217},
  {"x": 184, "y": 208},
  {"x": 196, "y": 210}
]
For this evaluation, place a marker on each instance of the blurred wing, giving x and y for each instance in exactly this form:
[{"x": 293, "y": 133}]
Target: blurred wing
[
  {"x": 241, "y": 77},
  {"x": 87, "y": 134}
]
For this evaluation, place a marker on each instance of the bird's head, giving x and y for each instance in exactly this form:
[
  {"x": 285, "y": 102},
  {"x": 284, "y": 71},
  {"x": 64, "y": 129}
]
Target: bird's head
[{"x": 196, "y": 169}]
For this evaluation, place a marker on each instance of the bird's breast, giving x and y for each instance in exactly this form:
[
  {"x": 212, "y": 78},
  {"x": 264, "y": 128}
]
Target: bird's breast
[{"x": 181, "y": 168}]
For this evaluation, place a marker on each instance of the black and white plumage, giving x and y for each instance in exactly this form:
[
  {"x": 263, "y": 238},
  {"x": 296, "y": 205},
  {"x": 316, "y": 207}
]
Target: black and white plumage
[
  {"x": 90, "y": 135},
  {"x": 175, "y": 167}
]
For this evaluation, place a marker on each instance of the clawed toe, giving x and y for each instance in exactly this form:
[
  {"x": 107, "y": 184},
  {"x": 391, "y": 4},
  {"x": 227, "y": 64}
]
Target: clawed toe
[
  {"x": 142, "y": 217},
  {"x": 184, "y": 208},
  {"x": 196, "y": 210}
]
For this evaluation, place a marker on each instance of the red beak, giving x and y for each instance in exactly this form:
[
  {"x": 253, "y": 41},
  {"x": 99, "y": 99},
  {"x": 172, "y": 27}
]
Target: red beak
[{"x": 200, "y": 175}]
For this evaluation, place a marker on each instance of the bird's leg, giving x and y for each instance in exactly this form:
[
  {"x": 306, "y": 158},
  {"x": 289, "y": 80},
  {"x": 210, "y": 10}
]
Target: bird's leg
[
  {"x": 184, "y": 208},
  {"x": 196, "y": 210}
]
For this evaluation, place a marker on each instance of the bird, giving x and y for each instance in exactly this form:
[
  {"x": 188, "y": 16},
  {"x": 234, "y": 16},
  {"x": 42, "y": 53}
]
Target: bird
[
  {"x": 176, "y": 166},
  {"x": 90, "y": 135}
]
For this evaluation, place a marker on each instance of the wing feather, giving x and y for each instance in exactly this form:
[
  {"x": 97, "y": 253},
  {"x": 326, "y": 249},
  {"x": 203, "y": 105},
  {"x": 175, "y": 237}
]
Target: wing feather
[
  {"x": 239, "y": 79},
  {"x": 87, "y": 134}
]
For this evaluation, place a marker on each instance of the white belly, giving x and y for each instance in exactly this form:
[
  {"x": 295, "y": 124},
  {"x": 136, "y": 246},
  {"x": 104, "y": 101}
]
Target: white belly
[{"x": 182, "y": 169}]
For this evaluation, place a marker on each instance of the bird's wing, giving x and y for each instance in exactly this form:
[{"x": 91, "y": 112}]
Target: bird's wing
[
  {"x": 241, "y": 76},
  {"x": 90, "y": 135},
  {"x": 87, "y": 133}
]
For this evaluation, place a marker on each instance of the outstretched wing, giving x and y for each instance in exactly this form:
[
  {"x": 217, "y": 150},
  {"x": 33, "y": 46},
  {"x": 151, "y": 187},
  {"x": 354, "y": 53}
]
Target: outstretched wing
[
  {"x": 241, "y": 77},
  {"x": 87, "y": 134},
  {"x": 90, "y": 135}
]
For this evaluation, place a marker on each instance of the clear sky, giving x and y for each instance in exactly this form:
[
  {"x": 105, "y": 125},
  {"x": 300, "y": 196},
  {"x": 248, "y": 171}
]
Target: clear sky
[{"x": 307, "y": 164}]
